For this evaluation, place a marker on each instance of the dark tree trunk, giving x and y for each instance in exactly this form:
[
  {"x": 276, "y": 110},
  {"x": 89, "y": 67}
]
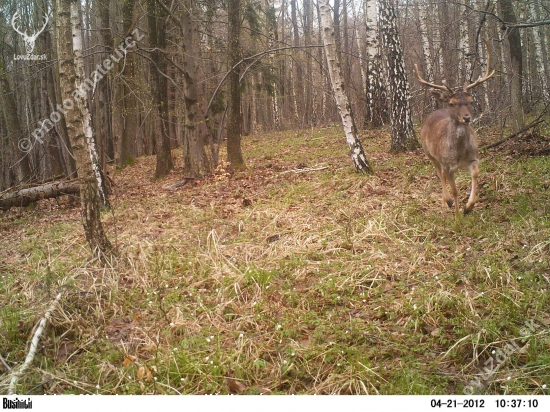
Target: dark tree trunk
[
  {"x": 234, "y": 123},
  {"x": 516, "y": 82},
  {"x": 195, "y": 161},
  {"x": 159, "y": 88},
  {"x": 130, "y": 116},
  {"x": 21, "y": 145}
]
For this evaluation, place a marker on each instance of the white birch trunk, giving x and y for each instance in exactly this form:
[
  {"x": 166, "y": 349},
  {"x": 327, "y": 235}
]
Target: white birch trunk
[
  {"x": 464, "y": 62},
  {"x": 359, "y": 50},
  {"x": 82, "y": 104},
  {"x": 327, "y": 29},
  {"x": 423, "y": 18},
  {"x": 403, "y": 137},
  {"x": 371, "y": 19},
  {"x": 77, "y": 116},
  {"x": 541, "y": 57}
]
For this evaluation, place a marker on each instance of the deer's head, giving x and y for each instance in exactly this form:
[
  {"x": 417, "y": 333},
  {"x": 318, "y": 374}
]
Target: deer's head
[{"x": 459, "y": 102}]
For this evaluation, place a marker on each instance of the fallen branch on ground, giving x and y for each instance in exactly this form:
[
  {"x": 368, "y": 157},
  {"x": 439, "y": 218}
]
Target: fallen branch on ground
[
  {"x": 534, "y": 123},
  {"x": 33, "y": 346},
  {"x": 179, "y": 184},
  {"x": 25, "y": 197}
]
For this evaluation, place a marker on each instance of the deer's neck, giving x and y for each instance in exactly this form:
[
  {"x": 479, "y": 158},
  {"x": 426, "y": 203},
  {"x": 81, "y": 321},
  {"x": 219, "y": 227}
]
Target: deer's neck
[{"x": 462, "y": 131}]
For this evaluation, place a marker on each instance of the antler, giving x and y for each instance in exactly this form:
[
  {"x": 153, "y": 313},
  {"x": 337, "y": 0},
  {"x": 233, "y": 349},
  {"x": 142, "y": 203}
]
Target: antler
[
  {"x": 433, "y": 85},
  {"x": 43, "y": 27},
  {"x": 13, "y": 24},
  {"x": 487, "y": 74}
]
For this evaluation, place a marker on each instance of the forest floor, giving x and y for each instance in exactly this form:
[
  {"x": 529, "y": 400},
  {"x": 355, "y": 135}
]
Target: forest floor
[{"x": 296, "y": 275}]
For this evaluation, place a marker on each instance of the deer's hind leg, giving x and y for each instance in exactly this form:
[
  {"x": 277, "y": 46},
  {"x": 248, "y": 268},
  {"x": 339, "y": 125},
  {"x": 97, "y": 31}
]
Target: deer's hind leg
[{"x": 474, "y": 171}]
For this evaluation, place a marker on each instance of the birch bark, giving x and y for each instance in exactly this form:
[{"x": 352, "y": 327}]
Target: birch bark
[{"x": 327, "y": 29}]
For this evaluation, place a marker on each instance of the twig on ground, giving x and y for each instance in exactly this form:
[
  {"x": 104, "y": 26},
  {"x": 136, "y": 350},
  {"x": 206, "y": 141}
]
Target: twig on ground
[
  {"x": 33, "y": 346},
  {"x": 311, "y": 169},
  {"x": 5, "y": 363}
]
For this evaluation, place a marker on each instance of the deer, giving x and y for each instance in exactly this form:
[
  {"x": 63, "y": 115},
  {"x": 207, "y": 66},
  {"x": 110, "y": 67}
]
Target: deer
[
  {"x": 449, "y": 139},
  {"x": 29, "y": 40}
]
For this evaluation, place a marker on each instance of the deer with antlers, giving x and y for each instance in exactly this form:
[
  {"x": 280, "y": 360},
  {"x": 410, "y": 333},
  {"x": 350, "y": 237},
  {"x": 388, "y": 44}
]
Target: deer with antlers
[
  {"x": 449, "y": 139},
  {"x": 29, "y": 40}
]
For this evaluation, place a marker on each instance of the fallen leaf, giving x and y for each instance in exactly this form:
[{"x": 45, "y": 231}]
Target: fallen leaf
[
  {"x": 144, "y": 373},
  {"x": 128, "y": 360},
  {"x": 141, "y": 372},
  {"x": 235, "y": 386}
]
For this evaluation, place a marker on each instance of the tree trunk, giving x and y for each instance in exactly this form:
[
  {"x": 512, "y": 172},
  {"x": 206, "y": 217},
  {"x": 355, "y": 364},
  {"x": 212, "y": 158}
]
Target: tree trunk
[
  {"x": 104, "y": 102},
  {"x": 541, "y": 53},
  {"x": 234, "y": 123},
  {"x": 195, "y": 162},
  {"x": 327, "y": 29},
  {"x": 516, "y": 82},
  {"x": 16, "y": 138},
  {"x": 376, "y": 111},
  {"x": 127, "y": 146},
  {"x": 402, "y": 131},
  {"x": 159, "y": 88},
  {"x": 25, "y": 197},
  {"x": 77, "y": 116}
]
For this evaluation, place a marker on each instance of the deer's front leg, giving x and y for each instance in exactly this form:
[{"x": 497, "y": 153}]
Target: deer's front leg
[
  {"x": 446, "y": 197},
  {"x": 448, "y": 175},
  {"x": 474, "y": 171}
]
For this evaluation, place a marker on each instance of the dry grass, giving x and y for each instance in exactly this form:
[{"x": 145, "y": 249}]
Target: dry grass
[{"x": 295, "y": 276}]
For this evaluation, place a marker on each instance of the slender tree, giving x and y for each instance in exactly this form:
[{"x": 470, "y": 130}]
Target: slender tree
[
  {"x": 77, "y": 115},
  {"x": 15, "y": 130},
  {"x": 327, "y": 29},
  {"x": 156, "y": 20},
  {"x": 129, "y": 116},
  {"x": 234, "y": 123},
  {"x": 402, "y": 131},
  {"x": 516, "y": 64},
  {"x": 376, "y": 94}
]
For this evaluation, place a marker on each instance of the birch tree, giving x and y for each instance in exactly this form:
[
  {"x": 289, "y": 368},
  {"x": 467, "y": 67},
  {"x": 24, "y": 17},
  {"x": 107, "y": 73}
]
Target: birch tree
[
  {"x": 327, "y": 30},
  {"x": 541, "y": 53},
  {"x": 402, "y": 131},
  {"x": 77, "y": 115},
  {"x": 376, "y": 112}
]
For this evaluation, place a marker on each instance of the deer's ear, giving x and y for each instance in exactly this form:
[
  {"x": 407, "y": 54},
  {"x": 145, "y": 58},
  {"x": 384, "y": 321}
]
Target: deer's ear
[{"x": 441, "y": 95}]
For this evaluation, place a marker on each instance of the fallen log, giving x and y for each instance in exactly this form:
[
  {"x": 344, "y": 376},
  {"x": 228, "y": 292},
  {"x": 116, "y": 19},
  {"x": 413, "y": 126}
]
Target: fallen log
[{"x": 25, "y": 197}]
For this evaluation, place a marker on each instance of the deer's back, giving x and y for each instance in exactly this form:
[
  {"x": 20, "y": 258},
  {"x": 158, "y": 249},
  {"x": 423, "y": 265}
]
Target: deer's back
[{"x": 451, "y": 143}]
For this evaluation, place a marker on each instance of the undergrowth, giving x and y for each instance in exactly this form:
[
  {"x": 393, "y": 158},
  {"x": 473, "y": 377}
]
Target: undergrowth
[{"x": 294, "y": 276}]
